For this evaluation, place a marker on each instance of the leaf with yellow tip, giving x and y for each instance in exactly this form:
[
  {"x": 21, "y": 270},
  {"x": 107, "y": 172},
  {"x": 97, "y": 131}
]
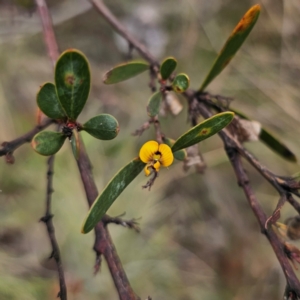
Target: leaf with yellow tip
[
  {"x": 233, "y": 43},
  {"x": 48, "y": 142},
  {"x": 203, "y": 130},
  {"x": 181, "y": 83}
]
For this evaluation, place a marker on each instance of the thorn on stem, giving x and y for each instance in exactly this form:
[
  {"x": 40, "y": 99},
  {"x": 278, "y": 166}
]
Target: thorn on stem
[{"x": 46, "y": 218}]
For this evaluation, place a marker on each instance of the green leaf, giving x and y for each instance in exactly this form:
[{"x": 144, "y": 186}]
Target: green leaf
[
  {"x": 167, "y": 67},
  {"x": 47, "y": 142},
  {"x": 203, "y": 130},
  {"x": 276, "y": 145},
  {"x": 111, "y": 192},
  {"x": 48, "y": 102},
  {"x": 181, "y": 83},
  {"x": 271, "y": 141},
  {"x": 180, "y": 154},
  {"x": 125, "y": 71},
  {"x": 72, "y": 80},
  {"x": 154, "y": 104},
  {"x": 103, "y": 127},
  {"x": 75, "y": 143},
  {"x": 233, "y": 43}
]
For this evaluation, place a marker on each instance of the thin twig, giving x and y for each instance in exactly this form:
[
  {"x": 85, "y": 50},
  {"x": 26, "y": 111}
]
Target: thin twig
[
  {"x": 47, "y": 219},
  {"x": 144, "y": 127},
  {"x": 103, "y": 243},
  {"x": 158, "y": 132},
  {"x": 294, "y": 203},
  {"x": 115, "y": 23},
  {"x": 234, "y": 157},
  {"x": 48, "y": 31},
  {"x": 10, "y": 147},
  {"x": 281, "y": 184},
  {"x": 234, "y": 149}
]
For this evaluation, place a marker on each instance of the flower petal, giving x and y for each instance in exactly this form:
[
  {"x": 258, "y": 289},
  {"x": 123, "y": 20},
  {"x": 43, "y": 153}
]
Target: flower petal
[
  {"x": 156, "y": 166},
  {"x": 167, "y": 156},
  {"x": 147, "y": 151},
  {"x": 146, "y": 170}
]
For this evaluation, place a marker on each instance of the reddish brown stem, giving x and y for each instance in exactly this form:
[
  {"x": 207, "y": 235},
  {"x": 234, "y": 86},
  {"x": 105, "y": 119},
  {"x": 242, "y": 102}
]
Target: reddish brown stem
[
  {"x": 103, "y": 243},
  {"x": 10, "y": 147},
  {"x": 234, "y": 149},
  {"x": 48, "y": 31},
  {"x": 47, "y": 219},
  {"x": 118, "y": 27},
  {"x": 292, "y": 280}
]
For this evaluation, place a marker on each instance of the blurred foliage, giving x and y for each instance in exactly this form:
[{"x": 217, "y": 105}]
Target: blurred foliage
[{"x": 198, "y": 237}]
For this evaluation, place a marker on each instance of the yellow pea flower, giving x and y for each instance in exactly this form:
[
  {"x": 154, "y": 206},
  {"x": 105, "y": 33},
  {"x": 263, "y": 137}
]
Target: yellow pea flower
[{"x": 155, "y": 155}]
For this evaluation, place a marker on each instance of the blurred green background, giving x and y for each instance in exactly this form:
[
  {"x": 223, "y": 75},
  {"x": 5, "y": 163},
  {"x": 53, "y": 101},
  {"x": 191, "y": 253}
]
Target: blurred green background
[{"x": 199, "y": 238}]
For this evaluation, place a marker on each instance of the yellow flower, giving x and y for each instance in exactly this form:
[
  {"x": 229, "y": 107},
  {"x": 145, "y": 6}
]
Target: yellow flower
[{"x": 155, "y": 155}]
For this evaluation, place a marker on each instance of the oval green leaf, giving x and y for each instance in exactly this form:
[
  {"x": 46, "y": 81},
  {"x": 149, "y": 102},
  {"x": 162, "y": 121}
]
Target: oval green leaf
[
  {"x": 102, "y": 127},
  {"x": 167, "y": 67},
  {"x": 180, "y": 154},
  {"x": 271, "y": 141},
  {"x": 48, "y": 102},
  {"x": 233, "y": 43},
  {"x": 72, "y": 80},
  {"x": 75, "y": 144},
  {"x": 48, "y": 142},
  {"x": 111, "y": 192},
  {"x": 181, "y": 83},
  {"x": 125, "y": 71},
  {"x": 154, "y": 104},
  {"x": 203, "y": 130}
]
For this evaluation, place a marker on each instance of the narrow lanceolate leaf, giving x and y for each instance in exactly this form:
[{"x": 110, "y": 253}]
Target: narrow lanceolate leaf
[
  {"x": 181, "y": 83},
  {"x": 111, "y": 192},
  {"x": 233, "y": 43},
  {"x": 276, "y": 145},
  {"x": 125, "y": 71},
  {"x": 180, "y": 154},
  {"x": 72, "y": 80},
  {"x": 272, "y": 142},
  {"x": 103, "y": 127},
  {"x": 75, "y": 143},
  {"x": 167, "y": 67},
  {"x": 154, "y": 104},
  {"x": 203, "y": 130},
  {"x": 48, "y": 102},
  {"x": 47, "y": 142}
]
